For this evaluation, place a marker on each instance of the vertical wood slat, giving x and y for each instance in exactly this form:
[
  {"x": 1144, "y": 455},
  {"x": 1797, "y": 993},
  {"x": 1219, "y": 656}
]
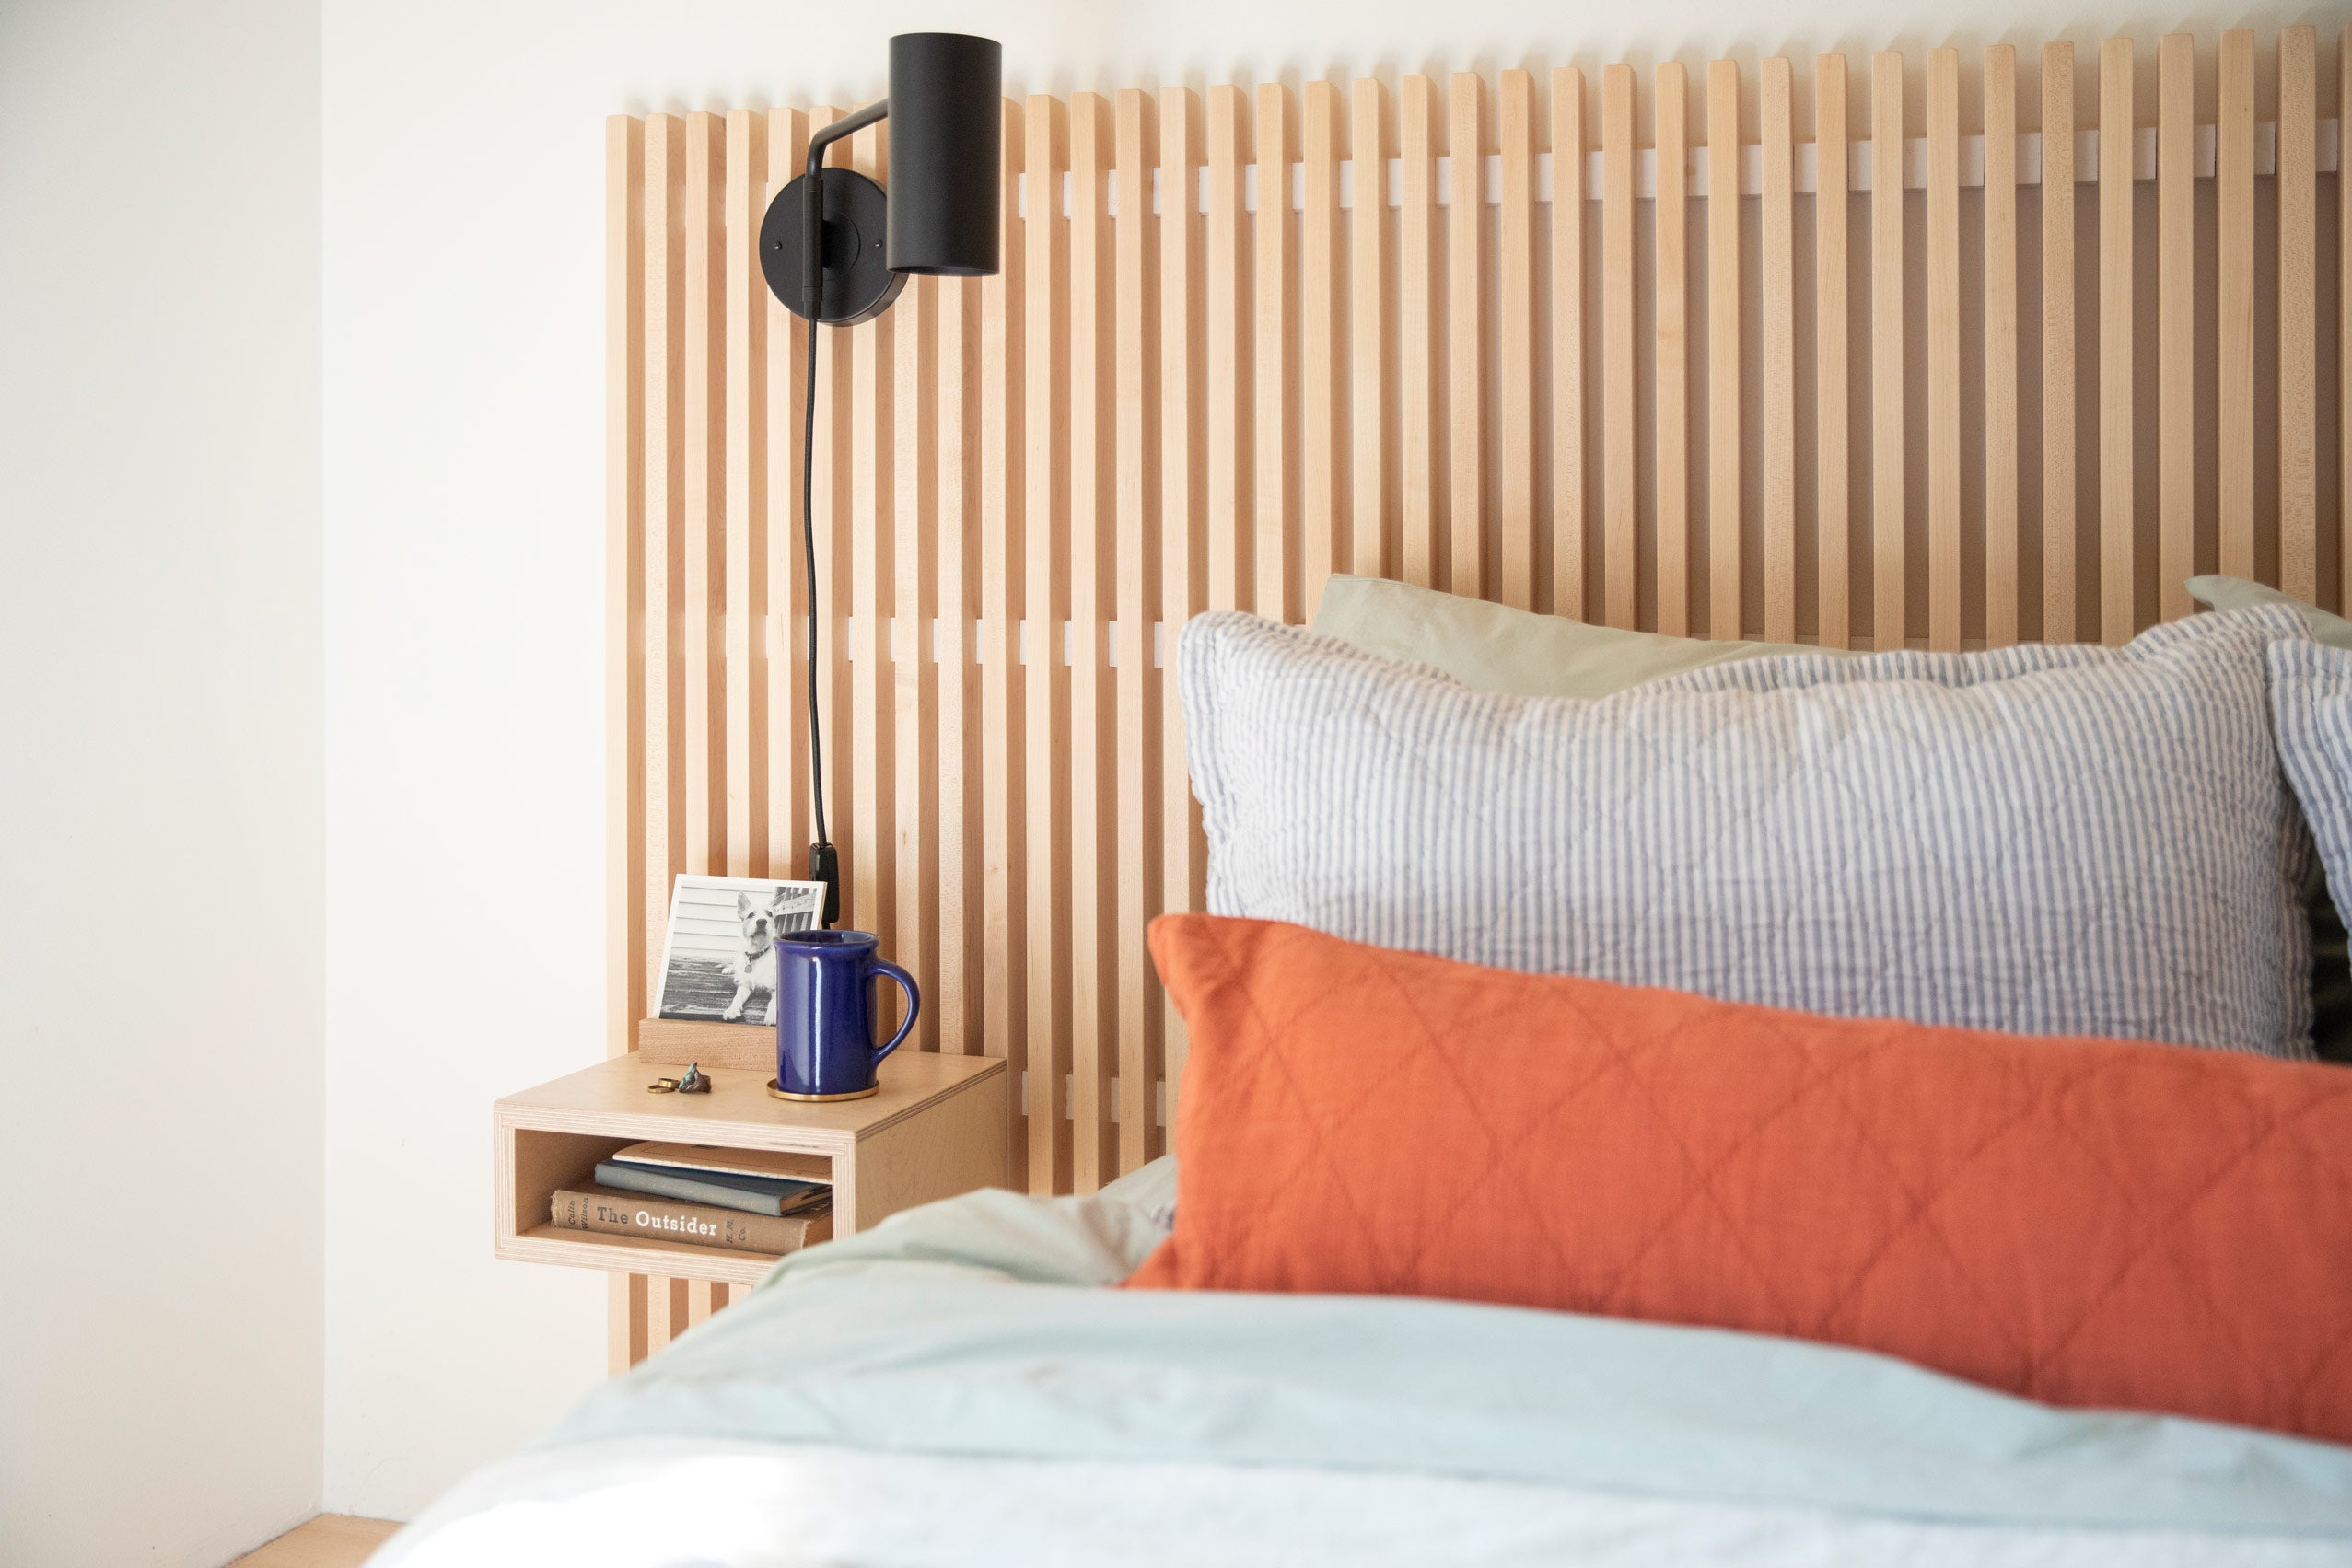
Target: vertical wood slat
[
  {"x": 1416, "y": 325},
  {"x": 1093, "y": 543},
  {"x": 745, "y": 325},
  {"x": 2117, "y": 514},
  {"x": 1670, "y": 351},
  {"x": 951, "y": 828},
  {"x": 666, "y": 1313},
  {"x": 1943, "y": 350},
  {"x": 1832, "y": 515},
  {"x": 1321, "y": 337},
  {"x": 2175, "y": 321},
  {"x": 624, "y": 1318},
  {"x": 911, "y": 847},
  {"x": 1002, "y": 568},
  {"x": 868, "y": 897},
  {"x": 702, "y": 1298},
  {"x": 1620, "y": 581},
  {"x": 1888, "y": 579},
  {"x": 653, "y": 1315},
  {"x": 914, "y": 840},
  {"x": 1724, "y": 422},
  {"x": 1777, "y": 310},
  {"x": 653, "y": 1323},
  {"x": 2001, "y": 541},
  {"x": 1224, "y": 517},
  {"x": 1273, "y": 263},
  {"x": 1465, "y": 341},
  {"x": 1135, "y": 1032},
  {"x": 626, "y": 969},
  {"x": 2233, "y": 201},
  {"x": 1228, "y": 561},
  {"x": 704, "y": 372},
  {"x": 2299, "y": 312},
  {"x": 1368, "y": 269},
  {"x": 1182, "y": 516},
  {"x": 625, "y": 966},
  {"x": 1569, "y": 437},
  {"x": 2059, "y": 539},
  {"x": 1515, "y": 462},
  {"x": 664, "y": 469},
  {"x": 1046, "y": 557}
]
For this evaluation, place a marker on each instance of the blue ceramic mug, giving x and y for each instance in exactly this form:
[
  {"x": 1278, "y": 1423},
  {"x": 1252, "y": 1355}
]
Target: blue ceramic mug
[{"x": 824, "y": 1013}]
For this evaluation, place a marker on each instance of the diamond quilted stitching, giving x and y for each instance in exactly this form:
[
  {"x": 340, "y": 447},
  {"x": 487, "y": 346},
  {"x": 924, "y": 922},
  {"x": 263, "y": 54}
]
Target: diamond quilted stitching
[{"x": 2026, "y": 1213}]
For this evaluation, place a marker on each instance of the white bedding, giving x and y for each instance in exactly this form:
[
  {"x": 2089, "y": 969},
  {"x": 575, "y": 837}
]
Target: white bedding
[
  {"x": 687, "y": 1503},
  {"x": 958, "y": 1387}
]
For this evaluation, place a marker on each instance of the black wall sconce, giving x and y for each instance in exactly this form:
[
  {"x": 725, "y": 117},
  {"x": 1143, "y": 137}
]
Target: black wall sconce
[{"x": 835, "y": 250}]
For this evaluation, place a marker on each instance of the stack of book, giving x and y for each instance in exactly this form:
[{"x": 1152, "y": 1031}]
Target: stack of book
[{"x": 736, "y": 1199}]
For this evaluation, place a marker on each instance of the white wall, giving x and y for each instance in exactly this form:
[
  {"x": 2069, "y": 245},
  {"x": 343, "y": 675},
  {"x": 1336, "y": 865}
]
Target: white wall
[
  {"x": 464, "y": 476},
  {"x": 161, "y": 884}
]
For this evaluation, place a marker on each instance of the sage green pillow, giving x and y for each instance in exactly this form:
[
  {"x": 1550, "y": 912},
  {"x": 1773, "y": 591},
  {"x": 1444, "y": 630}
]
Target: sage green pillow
[
  {"x": 2236, "y": 593},
  {"x": 1492, "y": 648}
]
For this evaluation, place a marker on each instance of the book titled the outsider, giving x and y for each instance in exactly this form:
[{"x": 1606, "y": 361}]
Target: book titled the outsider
[{"x": 633, "y": 1213}]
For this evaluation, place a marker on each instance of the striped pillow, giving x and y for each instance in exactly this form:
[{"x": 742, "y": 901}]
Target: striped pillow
[
  {"x": 2068, "y": 840},
  {"x": 2310, "y": 695}
]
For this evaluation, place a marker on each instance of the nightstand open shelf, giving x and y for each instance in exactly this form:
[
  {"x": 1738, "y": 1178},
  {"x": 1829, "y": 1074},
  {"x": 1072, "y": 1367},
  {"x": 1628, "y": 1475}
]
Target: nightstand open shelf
[{"x": 937, "y": 1127}]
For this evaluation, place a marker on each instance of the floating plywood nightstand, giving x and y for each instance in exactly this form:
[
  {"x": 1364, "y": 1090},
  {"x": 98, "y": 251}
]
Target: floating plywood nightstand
[{"x": 938, "y": 1128}]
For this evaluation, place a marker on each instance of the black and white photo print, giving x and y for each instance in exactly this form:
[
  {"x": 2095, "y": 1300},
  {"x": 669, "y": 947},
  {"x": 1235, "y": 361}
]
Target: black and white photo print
[{"x": 718, "y": 963}]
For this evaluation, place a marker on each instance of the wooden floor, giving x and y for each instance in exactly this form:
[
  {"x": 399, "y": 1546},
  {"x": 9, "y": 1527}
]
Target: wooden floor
[{"x": 331, "y": 1540}]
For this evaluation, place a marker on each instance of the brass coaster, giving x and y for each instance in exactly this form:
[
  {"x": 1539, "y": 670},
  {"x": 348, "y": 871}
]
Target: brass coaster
[{"x": 854, "y": 1094}]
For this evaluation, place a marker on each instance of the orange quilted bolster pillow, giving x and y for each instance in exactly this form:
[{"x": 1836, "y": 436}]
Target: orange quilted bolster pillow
[{"x": 2086, "y": 1222}]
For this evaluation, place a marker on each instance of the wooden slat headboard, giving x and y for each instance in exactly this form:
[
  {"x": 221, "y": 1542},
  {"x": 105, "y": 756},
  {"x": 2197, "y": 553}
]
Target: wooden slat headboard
[{"x": 1604, "y": 354}]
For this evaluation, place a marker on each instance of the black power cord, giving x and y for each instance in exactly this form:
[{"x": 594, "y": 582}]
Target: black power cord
[{"x": 823, "y": 864}]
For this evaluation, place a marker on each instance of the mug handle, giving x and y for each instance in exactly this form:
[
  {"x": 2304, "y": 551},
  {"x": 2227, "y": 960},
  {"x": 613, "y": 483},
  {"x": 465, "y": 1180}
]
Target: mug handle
[{"x": 913, "y": 1003}]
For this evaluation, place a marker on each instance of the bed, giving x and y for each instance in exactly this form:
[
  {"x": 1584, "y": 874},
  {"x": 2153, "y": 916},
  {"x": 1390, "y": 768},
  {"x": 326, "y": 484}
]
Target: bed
[
  {"x": 962, "y": 1386},
  {"x": 968, "y": 1382}
]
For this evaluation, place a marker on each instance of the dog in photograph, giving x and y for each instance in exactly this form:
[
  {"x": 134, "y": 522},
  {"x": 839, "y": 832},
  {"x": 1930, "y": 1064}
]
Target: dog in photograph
[{"x": 755, "y": 960}]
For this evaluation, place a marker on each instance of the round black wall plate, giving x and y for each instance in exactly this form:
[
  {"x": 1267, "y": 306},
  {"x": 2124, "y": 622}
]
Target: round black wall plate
[{"x": 858, "y": 282}]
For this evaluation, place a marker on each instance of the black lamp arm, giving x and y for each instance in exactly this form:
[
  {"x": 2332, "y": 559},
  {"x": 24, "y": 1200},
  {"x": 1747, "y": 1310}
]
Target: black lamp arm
[{"x": 812, "y": 264}]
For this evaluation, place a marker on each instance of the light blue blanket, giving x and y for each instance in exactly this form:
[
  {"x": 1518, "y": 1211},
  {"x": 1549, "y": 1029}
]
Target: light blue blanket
[{"x": 983, "y": 1325}]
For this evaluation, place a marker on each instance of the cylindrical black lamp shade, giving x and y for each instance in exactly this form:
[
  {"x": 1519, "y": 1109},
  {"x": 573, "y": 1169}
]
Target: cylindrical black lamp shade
[{"x": 947, "y": 107}]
